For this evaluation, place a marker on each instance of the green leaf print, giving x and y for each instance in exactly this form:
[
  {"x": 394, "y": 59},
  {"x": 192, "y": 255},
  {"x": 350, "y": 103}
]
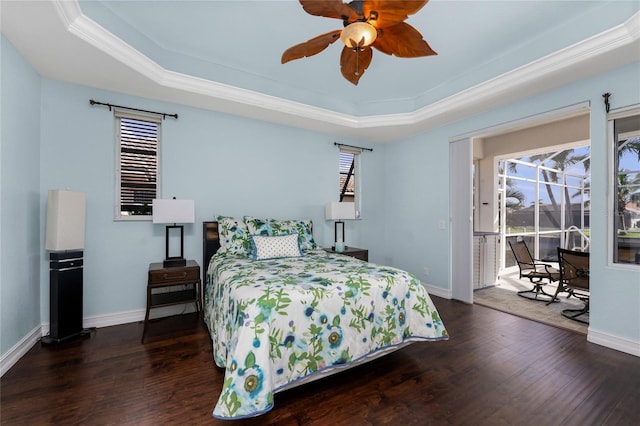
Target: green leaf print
[
  {"x": 422, "y": 306},
  {"x": 275, "y": 338},
  {"x": 336, "y": 321},
  {"x": 359, "y": 320},
  {"x": 231, "y": 402},
  {"x": 250, "y": 360}
]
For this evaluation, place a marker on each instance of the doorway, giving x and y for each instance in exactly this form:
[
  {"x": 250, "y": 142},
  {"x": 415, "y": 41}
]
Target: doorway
[{"x": 470, "y": 204}]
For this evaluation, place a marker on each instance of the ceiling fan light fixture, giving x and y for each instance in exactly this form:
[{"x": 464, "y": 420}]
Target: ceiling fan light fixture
[
  {"x": 367, "y": 25},
  {"x": 354, "y": 33}
]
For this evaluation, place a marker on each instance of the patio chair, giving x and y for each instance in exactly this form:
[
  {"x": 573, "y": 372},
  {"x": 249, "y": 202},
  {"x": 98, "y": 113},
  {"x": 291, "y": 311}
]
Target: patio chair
[
  {"x": 537, "y": 272},
  {"x": 574, "y": 279}
]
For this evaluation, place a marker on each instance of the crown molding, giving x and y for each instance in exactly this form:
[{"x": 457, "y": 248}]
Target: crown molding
[
  {"x": 553, "y": 70},
  {"x": 529, "y": 74}
]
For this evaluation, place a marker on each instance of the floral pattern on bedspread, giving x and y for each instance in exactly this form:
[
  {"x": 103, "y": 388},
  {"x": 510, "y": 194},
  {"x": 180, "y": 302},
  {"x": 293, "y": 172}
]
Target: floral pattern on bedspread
[{"x": 274, "y": 322}]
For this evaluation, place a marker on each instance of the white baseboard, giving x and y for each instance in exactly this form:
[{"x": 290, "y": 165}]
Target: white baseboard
[
  {"x": 618, "y": 343},
  {"x": 14, "y": 354},
  {"x": 135, "y": 315},
  {"x": 117, "y": 318},
  {"x": 18, "y": 350},
  {"x": 437, "y": 291}
]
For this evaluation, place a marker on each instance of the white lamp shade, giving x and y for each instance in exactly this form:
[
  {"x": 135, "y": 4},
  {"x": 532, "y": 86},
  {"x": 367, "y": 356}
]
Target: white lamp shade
[
  {"x": 66, "y": 215},
  {"x": 340, "y": 211},
  {"x": 173, "y": 211}
]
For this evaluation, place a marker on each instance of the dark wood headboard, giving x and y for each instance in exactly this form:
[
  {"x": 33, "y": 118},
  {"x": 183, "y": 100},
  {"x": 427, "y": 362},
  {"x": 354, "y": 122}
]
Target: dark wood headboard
[{"x": 210, "y": 245}]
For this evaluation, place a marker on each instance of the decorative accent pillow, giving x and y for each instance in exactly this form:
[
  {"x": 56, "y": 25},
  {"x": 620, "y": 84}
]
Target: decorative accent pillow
[
  {"x": 234, "y": 236},
  {"x": 275, "y": 247},
  {"x": 272, "y": 227}
]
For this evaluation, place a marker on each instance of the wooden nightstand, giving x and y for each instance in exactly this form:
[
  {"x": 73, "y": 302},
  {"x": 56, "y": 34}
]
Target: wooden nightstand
[
  {"x": 358, "y": 253},
  {"x": 161, "y": 277}
]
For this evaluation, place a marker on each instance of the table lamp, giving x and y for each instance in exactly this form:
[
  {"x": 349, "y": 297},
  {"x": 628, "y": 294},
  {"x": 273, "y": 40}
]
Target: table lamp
[
  {"x": 339, "y": 212},
  {"x": 174, "y": 211}
]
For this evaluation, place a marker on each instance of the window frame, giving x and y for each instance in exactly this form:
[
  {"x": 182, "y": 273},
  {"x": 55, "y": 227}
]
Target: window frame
[
  {"x": 537, "y": 186},
  {"x": 141, "y": 116},
  {"x": 356, "y": 152},
  {"x": 612, "y": 176}
]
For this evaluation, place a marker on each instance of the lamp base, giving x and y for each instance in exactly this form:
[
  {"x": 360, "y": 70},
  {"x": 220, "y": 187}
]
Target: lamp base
[
  {"x": 173, "y": 262},
  {"x": 339, "y": 247}
]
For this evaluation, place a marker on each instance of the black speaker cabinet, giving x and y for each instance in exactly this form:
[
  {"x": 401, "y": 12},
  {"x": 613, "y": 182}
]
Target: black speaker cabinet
[{"x": 65, "y": 302}]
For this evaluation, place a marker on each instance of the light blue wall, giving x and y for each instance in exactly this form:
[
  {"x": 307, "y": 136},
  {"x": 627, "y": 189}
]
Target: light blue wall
[
  {"x": 232, "y": 165},
  {"x": 416, "y": 200},
  {"x": 229, "y": 165},
  {"x": 420, "y": 197},
  {"x": 615, "y": 294},
  {"x": 20, "y": 197}
]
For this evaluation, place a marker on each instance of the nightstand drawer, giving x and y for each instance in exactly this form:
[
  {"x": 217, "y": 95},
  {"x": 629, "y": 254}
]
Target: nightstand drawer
[
  {"x": 167, "y": 275},
  {"x": 362, "y": 255},
  {"x": 357, "y": 253}
]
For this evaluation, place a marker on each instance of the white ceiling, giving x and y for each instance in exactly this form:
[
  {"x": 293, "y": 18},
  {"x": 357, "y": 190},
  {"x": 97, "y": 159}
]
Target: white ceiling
[{"x": 225, "y": 56}]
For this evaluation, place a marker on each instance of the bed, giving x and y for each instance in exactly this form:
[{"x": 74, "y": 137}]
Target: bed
[{"x": 281, "y": 311}]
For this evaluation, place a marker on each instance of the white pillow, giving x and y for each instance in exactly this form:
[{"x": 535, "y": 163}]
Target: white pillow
[{"x": 273, "y": 247}]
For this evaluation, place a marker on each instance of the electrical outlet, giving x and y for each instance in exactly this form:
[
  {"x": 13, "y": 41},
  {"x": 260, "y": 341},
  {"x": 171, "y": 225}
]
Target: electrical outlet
[
  {"x": 441, "y": 224},
  {"x": 426, "y": 270}
]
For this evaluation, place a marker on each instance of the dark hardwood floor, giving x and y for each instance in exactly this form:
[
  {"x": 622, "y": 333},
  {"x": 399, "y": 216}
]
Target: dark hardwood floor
[{"x": 496, "y": 369}]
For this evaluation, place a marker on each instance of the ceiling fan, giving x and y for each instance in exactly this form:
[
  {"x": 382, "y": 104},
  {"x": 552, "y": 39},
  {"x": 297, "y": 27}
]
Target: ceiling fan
[{"x": 367, "y": 23}]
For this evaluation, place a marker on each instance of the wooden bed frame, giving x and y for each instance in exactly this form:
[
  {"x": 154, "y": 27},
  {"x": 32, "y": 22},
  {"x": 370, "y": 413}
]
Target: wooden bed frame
[{"x": 210, "y": 245}]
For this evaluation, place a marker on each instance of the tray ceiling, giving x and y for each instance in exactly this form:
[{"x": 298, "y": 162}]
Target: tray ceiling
[{"x": 225, "y": 56}]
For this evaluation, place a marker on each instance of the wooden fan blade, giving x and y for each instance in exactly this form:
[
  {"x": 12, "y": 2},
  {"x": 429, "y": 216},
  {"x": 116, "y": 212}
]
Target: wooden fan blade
[
  {"x": 353, "y": 63},
  {"x": 402, "y": 40},
  {"x": 330, "y": 9},
  {"x": 310, "y": 47},
  {"x": 390, "y": 12}
]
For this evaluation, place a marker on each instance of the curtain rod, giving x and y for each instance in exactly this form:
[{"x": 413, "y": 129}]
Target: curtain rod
[
  {"x": 351, "y": 146},
  {"x": 163, "y": 114}
]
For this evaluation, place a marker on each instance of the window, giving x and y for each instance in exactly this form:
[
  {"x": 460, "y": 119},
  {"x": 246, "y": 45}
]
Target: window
[
  {"x": 545, "y": 200},
  {"x": 625, "y": 202},
  {"x": 137, "y": 160},
  {"x": 347, "y": 163},
  {"x": 349, "y": 175}
]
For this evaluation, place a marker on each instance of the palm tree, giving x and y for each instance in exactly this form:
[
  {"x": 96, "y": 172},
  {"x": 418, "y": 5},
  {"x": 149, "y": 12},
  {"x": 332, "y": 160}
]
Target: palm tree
[
  {"x": 631, "y": 145},
  {"x": 561, "y": 161},
  {"x": 626, "y": 194},
  {"x": 514, "y": 198},
  {"x": 623, "y": 196},
  {"x": 625, "y": 182}
]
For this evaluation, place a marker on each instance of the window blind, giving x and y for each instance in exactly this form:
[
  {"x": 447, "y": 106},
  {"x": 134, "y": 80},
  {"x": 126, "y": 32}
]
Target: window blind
[
  {"x": 346, "y": 162},
  {"x": 138, "y": 165}
]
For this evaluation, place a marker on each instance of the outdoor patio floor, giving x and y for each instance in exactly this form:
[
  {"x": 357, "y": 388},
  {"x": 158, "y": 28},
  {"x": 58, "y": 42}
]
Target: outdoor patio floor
[{"x": 504, "y": 297}]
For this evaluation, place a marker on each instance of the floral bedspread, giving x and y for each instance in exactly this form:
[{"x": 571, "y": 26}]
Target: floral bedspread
[{"x": 273, "y": 322}]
